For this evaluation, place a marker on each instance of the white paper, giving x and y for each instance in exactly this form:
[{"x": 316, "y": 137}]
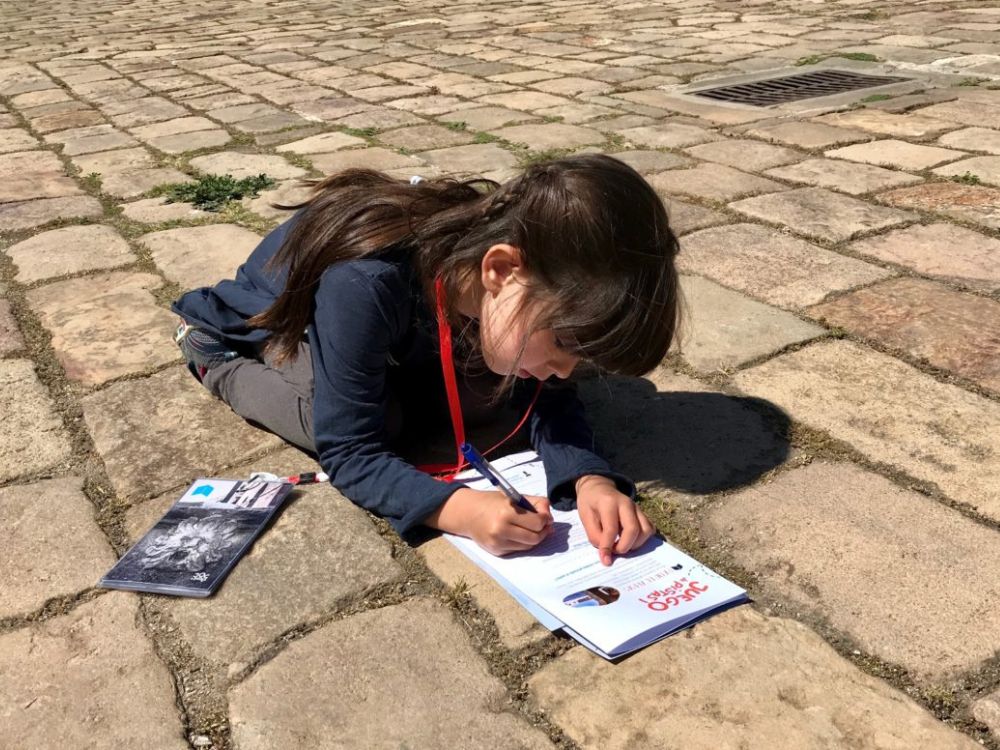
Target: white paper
[{"x": 641, "y": 597}]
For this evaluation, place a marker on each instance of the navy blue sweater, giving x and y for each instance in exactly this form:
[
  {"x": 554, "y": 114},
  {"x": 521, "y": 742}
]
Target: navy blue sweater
[{"x": 371, "y": 326}]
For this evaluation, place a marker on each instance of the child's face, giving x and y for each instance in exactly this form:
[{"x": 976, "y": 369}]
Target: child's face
[{"x": 504, "y": 328}]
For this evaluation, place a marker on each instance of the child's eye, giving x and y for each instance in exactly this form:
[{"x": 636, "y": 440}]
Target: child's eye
[{"x": 559, "y": 343}]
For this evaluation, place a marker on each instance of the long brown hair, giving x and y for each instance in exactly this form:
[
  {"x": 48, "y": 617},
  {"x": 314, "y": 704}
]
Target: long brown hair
[{"x": 593, "y": 236}]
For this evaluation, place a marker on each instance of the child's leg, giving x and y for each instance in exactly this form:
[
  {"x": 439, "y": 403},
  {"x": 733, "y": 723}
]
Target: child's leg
[{"x": 278, "y": 398}]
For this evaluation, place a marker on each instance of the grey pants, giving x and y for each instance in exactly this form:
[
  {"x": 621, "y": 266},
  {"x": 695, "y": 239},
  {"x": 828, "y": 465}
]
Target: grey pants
[{"x": 279, "y": 398}]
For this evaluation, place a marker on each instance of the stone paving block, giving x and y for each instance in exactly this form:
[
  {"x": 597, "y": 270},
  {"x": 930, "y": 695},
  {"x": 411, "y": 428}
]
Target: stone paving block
[
  {"x": 366, "y": 158},
  {"x": 987, "y": 710},
  {"x": 156, "y": 210},
  {"x": 16, "y": 139},
  {"x": 15, "y": 188},
  {"x": 246, "y": 165},
  {"x": 38, "y": 98},
  {"x": 425, "y": 137},
  {"x": 90, "y": 139},
  {"x": 385, "y": 93},
  {"x": 431, "y": 687},
  {"x": 674, "y": 434},
  {"x": 164, "y": 431},
  {"x": 330, "y": 109},
  {"x": 942, "y": 250},
  {"x": 320, "y": 541},
  {"x": 972, "y": 139},
  {"x": 892, "y": 413},
  {"x": 379, "y": 118},
  {"x": 10, "y": 335},
  {"x": 551, "y": 135},
  {"x": 431, "y": 104},
  {"x": 52, "y": 546},
  {"x": 950, "y": 330},
  {"x": 31, "y": 214},
  {"x": 175, "y": 126},
  {"x": 647, "y": 162},
  {"x": 967, "y": 112},
  {"x": 816, "y": 212},
  {"x": 572, "y": 86},
  {"x": 288, "y": 193},
  {"x": 739, "y": 679},
  {"x": 687, "y": 217},
  {"x": 238, "y": 113},
  {"x": 772, "y": 265},
  {"x": 714, "y": 182},
  {"x": 114, "y": 162},
  {"x": 473, "y": 159},
  {"x": 894, "y": 153},
  {"x": 524, "y": 100},
  {"x": 77, "y": 117},
  {"x": 724, "y": 329},
  {"x": 129, "y": 112},
  {"x": 69, "y": 250},
  {"x": 139, "y": 181},
  {"x": 622, "y": 122},
  {"x": 750, "y": 156},
  {"x": 899, "y": 549},
  {"x": 200, "y": 256},
  {"x": 517, "y": 628},
  {"x": 909, "y": 125},
  {"x": 270, "y": 123},
  {"x": 576, "y": 114},
  {"x": 218, "y": 100},
  {"x": 179, "y": 144},
  {"x": 848, "y": 177},
  {"x": 984, "y": 168},
  {"x": 106, "y": 326},
  {"x": 808, "y": 134},
  {"x": 980, "y": 205},
  {"x": 322, "y": 144},
  {"x": 89, "y": 678},
  {"x": 666, "y": 135},
  {"x": 32, "y": 437}
]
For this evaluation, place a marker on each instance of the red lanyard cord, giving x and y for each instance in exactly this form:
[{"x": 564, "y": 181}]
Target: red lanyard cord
[{"x": 451, "y": 387}]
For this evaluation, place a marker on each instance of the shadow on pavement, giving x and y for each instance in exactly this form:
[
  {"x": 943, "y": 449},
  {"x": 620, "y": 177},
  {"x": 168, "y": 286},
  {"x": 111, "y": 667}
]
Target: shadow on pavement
[{"x": 687, "y": 441}]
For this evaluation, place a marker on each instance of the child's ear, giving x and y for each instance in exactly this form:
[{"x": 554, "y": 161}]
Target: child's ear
[{"x": 501, "y": 265}]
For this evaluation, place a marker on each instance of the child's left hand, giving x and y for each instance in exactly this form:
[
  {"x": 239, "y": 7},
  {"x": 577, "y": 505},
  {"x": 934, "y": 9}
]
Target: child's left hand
[{"x": 608, "y": 515}]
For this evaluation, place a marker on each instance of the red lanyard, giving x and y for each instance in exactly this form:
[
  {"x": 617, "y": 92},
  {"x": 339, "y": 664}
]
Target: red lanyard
[{"x": 447, "y": 471}]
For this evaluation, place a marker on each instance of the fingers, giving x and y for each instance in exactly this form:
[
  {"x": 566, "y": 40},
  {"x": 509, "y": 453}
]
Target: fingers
[
  {"x": 541, "y": 505},
  {"x": 629, "y": 530},
  {"x": 607, "y": 534},
  {"x": 533, "y": 521}
]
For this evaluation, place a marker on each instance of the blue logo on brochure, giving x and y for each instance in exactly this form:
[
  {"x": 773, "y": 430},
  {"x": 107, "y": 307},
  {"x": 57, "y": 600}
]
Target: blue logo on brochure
[{"x": 204, "y": 489}]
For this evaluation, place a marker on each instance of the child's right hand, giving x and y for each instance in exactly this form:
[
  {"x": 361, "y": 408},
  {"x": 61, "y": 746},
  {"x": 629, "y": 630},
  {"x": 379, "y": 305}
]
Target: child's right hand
[{"x": 493, "y": 521}]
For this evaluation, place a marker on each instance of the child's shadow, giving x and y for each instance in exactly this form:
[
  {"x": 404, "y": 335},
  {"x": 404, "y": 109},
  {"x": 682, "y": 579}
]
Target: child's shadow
[{"x": 689, "y": 441}]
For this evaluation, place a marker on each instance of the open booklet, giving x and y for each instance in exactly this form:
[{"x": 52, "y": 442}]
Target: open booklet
[
  {"x": 614, "y": 610},
  {"x": 198, "y": 541}
]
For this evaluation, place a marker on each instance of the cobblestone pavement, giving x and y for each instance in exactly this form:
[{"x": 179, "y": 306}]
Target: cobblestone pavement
[{"x": 828, "y": 435}]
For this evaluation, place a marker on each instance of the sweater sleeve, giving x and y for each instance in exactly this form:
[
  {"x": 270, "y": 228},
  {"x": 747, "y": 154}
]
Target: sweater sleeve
[
  {"x": 561, "y": 436},
  {"x": 360, "y": 311}
]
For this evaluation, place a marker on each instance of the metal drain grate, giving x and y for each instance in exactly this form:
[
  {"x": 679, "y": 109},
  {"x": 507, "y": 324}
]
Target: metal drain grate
[{"x": 792, "y": 88}]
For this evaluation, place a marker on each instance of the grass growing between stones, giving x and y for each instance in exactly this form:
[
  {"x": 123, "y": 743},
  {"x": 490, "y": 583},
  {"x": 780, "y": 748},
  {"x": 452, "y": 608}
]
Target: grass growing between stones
[
  {"x": 860, "y": 56},
  {"x": 212, "y": 192},
  {"x": 967, "y": 179}
]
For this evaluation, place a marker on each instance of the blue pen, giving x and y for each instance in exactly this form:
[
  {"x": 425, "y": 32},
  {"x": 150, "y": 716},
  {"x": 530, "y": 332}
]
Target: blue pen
[{"x": 481, "y": 465}]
